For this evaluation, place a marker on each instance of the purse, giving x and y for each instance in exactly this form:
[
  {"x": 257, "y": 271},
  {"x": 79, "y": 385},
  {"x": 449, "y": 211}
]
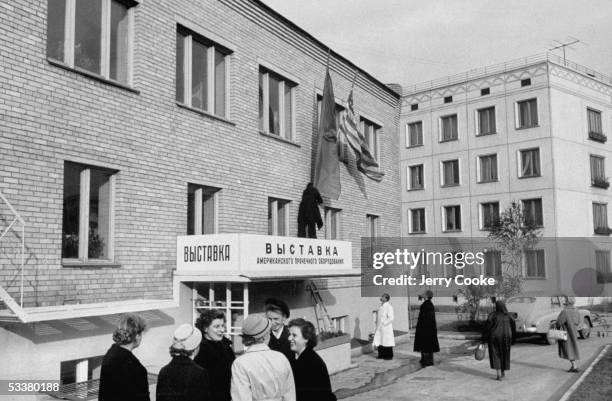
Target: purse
[
  {"x": 480, "y": 352},
  {"x": 555, "y": 334}
]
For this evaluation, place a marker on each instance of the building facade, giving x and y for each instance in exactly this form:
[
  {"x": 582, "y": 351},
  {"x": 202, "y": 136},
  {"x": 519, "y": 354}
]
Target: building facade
[
  {"x": 532, "y": 131},
  {"x": 127, "y": 125}
]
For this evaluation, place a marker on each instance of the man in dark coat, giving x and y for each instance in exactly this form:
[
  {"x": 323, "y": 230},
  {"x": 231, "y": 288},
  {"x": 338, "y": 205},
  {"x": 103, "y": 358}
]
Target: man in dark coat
[
  {"x": 277, "y": 312},
  {"x": 499, "y": 334},
  {"x": 426, "y": 334},
  {"x": 308, "y": 213}
]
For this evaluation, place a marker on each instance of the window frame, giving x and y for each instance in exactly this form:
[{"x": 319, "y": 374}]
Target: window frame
[
  {"x": 443, "y": 182},
  {"x": 600, "y": 230},
  {"x": 599, "y": 119},
  {"x": 410, "y": 174},
  {"x": 534, "y": 201},
  {"x": 445, "y": 227},
  {"x": 455, "y": 125},
  {"x": 105, "y": 42},
  {"x": 189, "y": 35},
  {"x": 273, "y": 216},
  {"x": 422, "y": 219},
  {"x": 483, "y": 206},
  {"x": 374, "y": 141},
  {"x": 537, "y": 173},
  {"x": 409, "y": 143},
  {"x": 492, "y": 111},
  {"x": 486, "y": 265},
  {"x": 198, "y": 212},
  {"x": 517, "y": 110},
  {"x": 526, "y": 260},
  {"x": 264, "y": 125},
  {"x": 480, "y": 169},
  {"x": 333, "y": 214}
]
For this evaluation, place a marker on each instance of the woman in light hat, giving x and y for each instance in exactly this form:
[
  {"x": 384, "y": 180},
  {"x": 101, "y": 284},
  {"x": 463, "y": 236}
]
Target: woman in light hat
[
  {"x": 260, "y": 373},
  {"x": 122, "y": 376},
  {"x": 569, "y": 320},
  {"x": 183, "y": 379}
]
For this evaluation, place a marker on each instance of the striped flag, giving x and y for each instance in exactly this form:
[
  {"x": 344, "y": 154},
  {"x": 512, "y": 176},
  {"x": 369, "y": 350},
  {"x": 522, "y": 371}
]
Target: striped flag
[{"x": 349, "y": 133}]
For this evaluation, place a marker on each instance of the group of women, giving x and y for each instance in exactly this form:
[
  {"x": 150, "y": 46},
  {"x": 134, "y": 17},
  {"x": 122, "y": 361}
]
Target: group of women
[
  {"x": 201, "y": 364},
  {"x": 500, "y": 335}
]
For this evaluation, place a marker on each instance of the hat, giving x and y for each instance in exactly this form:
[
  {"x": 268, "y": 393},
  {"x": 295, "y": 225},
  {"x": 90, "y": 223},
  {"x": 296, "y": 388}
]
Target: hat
[
  {"x": 427, "y": 294},
  {"x": 255, "y": 326},
  {"x": 278, "y": 305},
  {"x": 186, "y": 337}
]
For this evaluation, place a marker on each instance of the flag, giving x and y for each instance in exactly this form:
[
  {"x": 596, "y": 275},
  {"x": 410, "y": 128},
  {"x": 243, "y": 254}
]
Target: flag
[
  {"x": 327, "y": 166},
  {"x": 349, "y": 133}
]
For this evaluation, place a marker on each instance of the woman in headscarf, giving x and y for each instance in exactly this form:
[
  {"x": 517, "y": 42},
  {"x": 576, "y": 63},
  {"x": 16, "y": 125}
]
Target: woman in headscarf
[
  {"x": 216, "y": 355},
  {"x": 569, "y": 320},
  {"x": 499, "y": 334},
  {"x": 426, "y": 333},
  {"x": 122, "y": 376}
]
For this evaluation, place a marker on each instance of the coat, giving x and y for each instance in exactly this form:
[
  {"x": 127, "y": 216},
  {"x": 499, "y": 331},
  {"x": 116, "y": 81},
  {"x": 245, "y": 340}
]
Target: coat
[
  {"x": 311, "y": 377},
  {"x": 182, "y": 380},
  {"x": 569, "y": 320},
  {"x": 217, "y": 358},
  {"x": 122, "y": 377},
  {"x": 262, "y": 374},
  {"x": 426, "y": 334},
  {"x": 281, "y": 344},
  {"x": 308, "y": 211},
  {"x": 499, "y": 334},
  {"x": 384, "y": 328}
]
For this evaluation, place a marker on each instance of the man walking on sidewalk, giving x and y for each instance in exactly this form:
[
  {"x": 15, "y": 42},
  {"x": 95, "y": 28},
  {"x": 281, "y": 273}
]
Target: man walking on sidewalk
[{"x": 426, "y": 334}]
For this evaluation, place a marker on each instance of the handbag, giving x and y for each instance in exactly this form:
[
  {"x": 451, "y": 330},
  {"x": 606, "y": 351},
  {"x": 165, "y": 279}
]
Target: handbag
[
  {"x": 480, "y": 352},
  {"x": 555, "y": 334}
]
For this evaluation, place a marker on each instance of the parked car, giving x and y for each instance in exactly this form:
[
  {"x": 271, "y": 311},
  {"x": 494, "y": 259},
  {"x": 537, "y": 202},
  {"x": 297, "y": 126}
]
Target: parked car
[{"x": 536, "y": 315}]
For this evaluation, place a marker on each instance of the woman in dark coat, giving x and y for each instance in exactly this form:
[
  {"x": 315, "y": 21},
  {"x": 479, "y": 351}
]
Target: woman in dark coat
[
  {"x": 309, "y": 370},
  {"x": 122, "y": 376},
  {"x": 426, "y": 334},
  {"x": 183, "y": 379},
  {"x": 216, "y": 355},
  {"x": 569, "y": 320},
  {"x": 499, "y": 334},
  {"x": 309, "y": 214}
]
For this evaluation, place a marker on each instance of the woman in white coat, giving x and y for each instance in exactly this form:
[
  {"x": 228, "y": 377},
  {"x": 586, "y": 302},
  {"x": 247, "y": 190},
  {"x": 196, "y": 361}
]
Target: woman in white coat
[{"x": 383, "y": 337}]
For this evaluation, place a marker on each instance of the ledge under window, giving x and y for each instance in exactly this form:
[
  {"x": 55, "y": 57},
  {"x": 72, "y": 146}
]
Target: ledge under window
[
  {"x": 92, "y": 75},
  {"x": 452, "y": 231},
  {"x": 530, "y": 176},
  {"x": 487, "y": 181},
  {"x": 449, "y": 185},
  {"x": 205, "y": 113},
  {"x": 90, "y": 264},
  {"x": 486, "y": 133},
  {"x": 281, "y": 139},
  {"x": 417, "y": 233},
  {"x": 535, "y": 278},
  {"x": 448, "y": 140},
  {"x": 414, "y": 146},
  {"x": 527, "y": 127}
]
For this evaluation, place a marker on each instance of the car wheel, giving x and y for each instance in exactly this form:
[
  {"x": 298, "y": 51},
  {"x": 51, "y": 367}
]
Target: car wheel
[{"x": 585, "y": 332}]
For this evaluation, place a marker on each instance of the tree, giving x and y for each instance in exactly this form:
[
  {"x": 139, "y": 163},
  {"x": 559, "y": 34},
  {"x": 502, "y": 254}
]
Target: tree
[{"x": 512, "y": 235}]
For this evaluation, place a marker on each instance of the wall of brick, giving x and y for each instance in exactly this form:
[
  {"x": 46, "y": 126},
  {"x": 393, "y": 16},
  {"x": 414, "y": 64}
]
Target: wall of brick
[{"x": 49, "y": 115}]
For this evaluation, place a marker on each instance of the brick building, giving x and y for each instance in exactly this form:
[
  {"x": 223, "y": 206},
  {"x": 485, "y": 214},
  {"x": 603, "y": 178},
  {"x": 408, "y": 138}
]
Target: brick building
[{"x": 125, "y": 125}]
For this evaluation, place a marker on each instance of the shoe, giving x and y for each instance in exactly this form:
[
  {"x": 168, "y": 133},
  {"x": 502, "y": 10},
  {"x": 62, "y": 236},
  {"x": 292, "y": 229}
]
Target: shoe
[
  {"x": 573, "y": 370},
  {"x": 503, "y": 374},
  {"x": 499, "y": 378}
]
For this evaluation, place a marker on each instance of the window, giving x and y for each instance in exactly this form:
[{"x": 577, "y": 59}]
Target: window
[
  {"x": 450, "y": 271},
  {"x": 534, "y": 263},
  {"x": 530, "y": 163},
  {"x": 493, "y": 264},
  {"x": 80, "y": 370},
  {"x": 415, "y": 177},
  {"x": 598, "y": 172},
  {"x": 87, "y": 227},
  {"x": 489, "y": 214},
  {"x": 448, "y": 128},
  {"x": 332, "y": 223},
  {"x": 487, "y": 168},
  {"x": 450, "y": 173},
  {"x": 532, "y": 212},
  {"x": 602, "y": 265},
  {"x": 201, "y": 209},
  {"x": 414, "y": 107},
  {"x": 417, "y": 221},
  {"x": 448, "y": 99},
  {"x": 93, "y": 36},
  {"x": 371, "y": 131},
  {"x": 452, "y": 218},
  {"x": 201, "y": 73},
  {"x": 595, "y": 128},
  {"x": 415, "y": 134},
  {"x": 600, "y": 218},
  {"x": 278, "y": 216},
  {"x": 372, "y": 225},
  {"x": 527, "y": 113},
  {"x": 485, "y": 91},
  {"x": 486, "y": 121},
  {"x": 525, "y": 82},
  {"x": 276, "y": 104}
]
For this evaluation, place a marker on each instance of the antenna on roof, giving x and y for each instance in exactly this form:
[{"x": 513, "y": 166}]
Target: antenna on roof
[{"x": 568, "y": 43}]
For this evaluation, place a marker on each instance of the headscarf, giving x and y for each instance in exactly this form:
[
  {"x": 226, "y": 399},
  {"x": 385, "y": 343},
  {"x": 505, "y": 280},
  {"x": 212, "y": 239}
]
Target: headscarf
[{"x": 500, "y": 307}]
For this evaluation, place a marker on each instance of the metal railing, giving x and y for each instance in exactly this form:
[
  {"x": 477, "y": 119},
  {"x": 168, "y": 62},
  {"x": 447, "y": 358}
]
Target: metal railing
[
  {"x": 16, "y": 219},
  {"x": 505, "y": 67}
]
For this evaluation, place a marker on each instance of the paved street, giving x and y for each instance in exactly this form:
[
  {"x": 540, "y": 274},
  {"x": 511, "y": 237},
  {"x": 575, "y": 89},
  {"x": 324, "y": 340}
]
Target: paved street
[{"x": 536, "y": 374}]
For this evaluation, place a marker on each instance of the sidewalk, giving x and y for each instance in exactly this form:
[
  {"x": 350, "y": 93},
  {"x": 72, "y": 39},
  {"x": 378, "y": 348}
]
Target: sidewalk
[{"x": 537, "y": 374}]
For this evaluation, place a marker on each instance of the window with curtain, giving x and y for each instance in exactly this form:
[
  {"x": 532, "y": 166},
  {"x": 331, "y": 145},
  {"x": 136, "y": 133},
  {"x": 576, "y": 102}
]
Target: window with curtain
[
  {"x": 532, "y": 212},
  {"x": 594, "y": 118},
  {"x": 493, "y": 263},
  {"x": 598, "y": 171},
  {"x": 449, "y": 128},
  {"x": 452, "y": 218},
  {"x": 332, "y": 223},
  {"x": 486, "y": 121},
  {"x": 488, "y": 168},
  {"x": 600, "y": 218},
  {"x": 602, "y": 264},
  {"x": 534, "y": 261},
  {"x": 527, "y": 113},
  {"x": 278, "y": 211},
  {"x": 416, "y": 177},
  {"x": 417, "y": 220},
  {"x": 201, "y": 209},
  {"x": 415, "y": 134},
  {"x": 490, "y": 214},
  {"x": 450, "y": 171},
  {"x": 530, "y": 163}
]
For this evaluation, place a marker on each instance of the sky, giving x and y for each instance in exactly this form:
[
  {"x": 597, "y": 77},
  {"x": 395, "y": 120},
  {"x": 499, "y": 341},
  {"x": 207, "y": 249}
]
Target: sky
[{"x": 413, "y": 41}]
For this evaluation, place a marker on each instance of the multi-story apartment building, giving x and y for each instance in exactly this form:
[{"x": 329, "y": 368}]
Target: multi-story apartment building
[
  {"x": 532, "y": 131},
  {"x": 153, "y": 158}
]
